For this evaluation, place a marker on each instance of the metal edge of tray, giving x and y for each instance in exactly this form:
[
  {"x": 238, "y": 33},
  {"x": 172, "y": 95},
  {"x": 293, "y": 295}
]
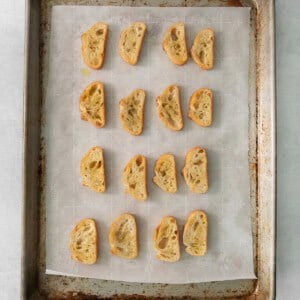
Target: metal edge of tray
[{"x": 265, "y": 95}]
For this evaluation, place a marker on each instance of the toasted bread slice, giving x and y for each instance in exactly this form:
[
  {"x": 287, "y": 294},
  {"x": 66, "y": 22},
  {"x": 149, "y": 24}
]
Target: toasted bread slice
[
  {"x": 202, "y": 50},
  {"x": 132, "y": 112},
  {"x": 83, "y": 242},
  {"x": 92, "y": 170},
  {"x": 195, "y": 170},
  {"x": 165, "y": 173},
  {"x": 131, "y": 41},
  {"x": 201, "y": 106},
  {"x": 169, "y": 109},
  {"x": 166, "y": 241},
  {"x": 174, "y": 43},
  {"x": 123, "y": 237},
  {"x": 195, "y": 233},
  {"x": 93, "y": 43},
  {"x": 134, "y": 178},
  {"x": 92, "y": 105}
]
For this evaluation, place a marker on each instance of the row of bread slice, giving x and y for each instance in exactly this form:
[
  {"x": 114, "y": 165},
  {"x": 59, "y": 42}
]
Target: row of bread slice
[
  {"x": 93, "y": 45},
  {"x": 134, "y": 177},
  {"x": 92, "y": 108},
  {"x": 123, "y": 238}
]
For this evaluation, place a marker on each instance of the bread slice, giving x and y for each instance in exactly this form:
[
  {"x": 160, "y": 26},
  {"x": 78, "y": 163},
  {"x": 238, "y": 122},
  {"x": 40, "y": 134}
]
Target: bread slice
[
  {"x": 195, "y": 233},
  {"x": 201, "y": 106},
  {"x": 93, "y": 43},
  {"x": 165, "y": 173},
  {"x": 91, "y": 105},
  {"x": 123, "y": 237},
  {"x": 132, "y": 112},
  {"x": 166, "y": 241},
  {"x": 195, "y": 170},
  {"x": 174, "y": 43},
  {"x": 202, "y": 50},
  {"x": 83, "y": 242},
  {"x": 134, "y": 178},
  {"x": 169, "y": 109},
  {"x": 131, "y": 41},
  {"x": 92, "y": 170}
]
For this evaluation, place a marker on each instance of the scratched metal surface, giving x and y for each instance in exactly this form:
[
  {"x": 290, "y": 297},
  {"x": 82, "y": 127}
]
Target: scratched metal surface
[{"x": 35, "y": 283}]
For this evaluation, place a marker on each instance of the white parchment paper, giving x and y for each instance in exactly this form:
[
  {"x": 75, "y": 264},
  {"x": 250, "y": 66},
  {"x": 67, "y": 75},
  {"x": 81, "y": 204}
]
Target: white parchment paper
[{"x": 227, "y": 203}]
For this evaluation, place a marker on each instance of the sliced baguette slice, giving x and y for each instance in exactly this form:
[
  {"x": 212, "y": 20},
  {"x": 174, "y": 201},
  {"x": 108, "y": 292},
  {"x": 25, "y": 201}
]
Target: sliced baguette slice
[
  {"x": 131, "y": 41},
  {"x": 123, "y": 237},
  {"x": 93, "y": 43},
  {"x": 166, "y": 240},
  {"x": 169, "y": 108},
  {"x": 195, "y": 170},
  {"x": 174, "y": 44},
  {"x": 92, "y": 105},
  {"x": 83, "y": 242},
  {"x": 134, "y": 178},
  {"x": 195, "y": 233},
  {"x": 165, "y": 173},
  {"x": 132, "y": 112},
  {"x": 201, "y": 107},
  {"x": 92, "y": 170},
  {"x": 202, "y": 50}
]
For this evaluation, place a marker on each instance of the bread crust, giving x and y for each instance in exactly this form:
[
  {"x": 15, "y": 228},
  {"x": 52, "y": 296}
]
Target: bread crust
[
  {"x": 196, "y": 244},
  {"x": 198, "y": 99},
  {"x": 92, "y": 106},
  {"x": 92, "y": 170},
  {"x": 204, "y": 45},
  {"x": 199, "y": 166},
  {"x": 132, "y": 38},
  {"x": 76, "y": 243},
  {"x": 88, "y": 39},
  {"x": 119, "y": 240},
  {"x": 165, "y": 108},
  {"x": 167, "y": 157},
  {"x": 161, "y": 240},
  {"x": 124, "y": 111},
  {"x": 132, "y": 183},
  {"x": 174, "y": 44}
]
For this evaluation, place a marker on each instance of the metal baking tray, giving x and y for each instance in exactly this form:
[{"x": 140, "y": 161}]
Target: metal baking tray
[{"x": 35, "y": 283}]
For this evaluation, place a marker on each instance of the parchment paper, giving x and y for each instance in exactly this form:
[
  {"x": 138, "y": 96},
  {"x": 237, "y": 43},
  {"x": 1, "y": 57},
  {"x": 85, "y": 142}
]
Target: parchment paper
[{"x": 227, "y": 203}]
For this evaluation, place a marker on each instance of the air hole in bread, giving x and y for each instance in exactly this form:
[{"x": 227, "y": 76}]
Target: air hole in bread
[
  {"x": 132, "y": 186},
  {"x": 99, "y": 32},
  {"x": 92, "y": 90},
  {"x": 174, "y": 34},
  {"x": 138, "y": 161},
  {"x": 201, "y": 151},
  {"x": 163, "y": 243}
]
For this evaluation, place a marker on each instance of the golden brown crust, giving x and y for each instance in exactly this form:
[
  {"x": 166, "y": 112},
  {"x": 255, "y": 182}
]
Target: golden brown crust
[
  {"x": 195, "y": 170},
  {"x": 202, "y": 50},
  {"x": 174, "y": 43},
  {"x": 83, "y": 243},
  {"x": 131, "y": 41},
  {"x": 166, "y": 240},
  {"x": 123, "y": 237},
  {"x": 195, "y": 233},
  {"x": 169, "y": 108},
  {"x": 201, "y": 107},
  {"x": 92, "y": 170},
  {"x": 132, "y": 112},
  {"x": 165, "y": 173},
  {"x": 92, "y": 104},
  {"x": 93, "y": 44},
  {"x": 134, "y": 178}
]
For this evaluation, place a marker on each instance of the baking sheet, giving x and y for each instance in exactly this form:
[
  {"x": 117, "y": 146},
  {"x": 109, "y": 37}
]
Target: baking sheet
[{"x": 67, "y": 138}]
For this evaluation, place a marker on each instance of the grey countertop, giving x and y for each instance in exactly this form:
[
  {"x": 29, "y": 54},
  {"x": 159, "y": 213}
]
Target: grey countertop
[{"x": 12, "y": 17}]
